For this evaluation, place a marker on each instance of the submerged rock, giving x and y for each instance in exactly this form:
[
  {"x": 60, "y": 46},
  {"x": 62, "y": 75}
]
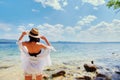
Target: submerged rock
[
  {"x": 78, "y": 67},
  {"x": 5, "y": 67},
  {"x": 48, "y": 69},
  {"x": 79, "y": 78},
  {"x": 101, "y": 76},
  {"x": 60, "y": 73},
  {"x": 118, "y": 72},
  {"x": 116, "y": 76},
  {"x": 45, "y": 77},
  {"x": 83, "y": 78}
]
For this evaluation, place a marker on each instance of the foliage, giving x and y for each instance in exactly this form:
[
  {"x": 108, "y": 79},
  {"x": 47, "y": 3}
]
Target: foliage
[{"x": 114, "y": 3}]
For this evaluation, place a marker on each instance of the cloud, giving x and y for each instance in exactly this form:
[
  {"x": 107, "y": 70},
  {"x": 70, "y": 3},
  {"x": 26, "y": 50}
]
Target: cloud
[
  {"x": 86, "y": 20},
  {"x": 53, "y": 32},
  {"x": 55, "y": 4},
  {"x": 95, "y": 8},
  {"x": 31, "y": 25},
  {"x": 35, "y": 10},
  {"x": 8, "y": 31},
  {"x": 65, "y": 33},
  {"x": 94, "y": 2},
  {"x": 65, "y": 3},
  {"x": 76, "y": 7},
  {"x": 104, "y": 27},
  {"x": 59, "y": 32},
  {"x": 60, "y": 4},
  {"x": 10, "y": 36},
  {"x": 5, "y": 27},
  {"x": 46, "y": 17},
  {"x": 21, "y": 28},
  {"x": 103, "y": 31}
]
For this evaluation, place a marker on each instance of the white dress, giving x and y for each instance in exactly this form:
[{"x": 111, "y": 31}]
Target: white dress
[{"x": 34, "y": 65}]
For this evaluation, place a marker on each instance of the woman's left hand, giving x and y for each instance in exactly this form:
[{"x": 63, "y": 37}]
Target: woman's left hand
[{"x": 43, "y": 37}]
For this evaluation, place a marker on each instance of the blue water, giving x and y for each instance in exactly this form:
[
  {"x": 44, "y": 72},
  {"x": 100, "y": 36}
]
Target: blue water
[{"x": 101, "y": 53}]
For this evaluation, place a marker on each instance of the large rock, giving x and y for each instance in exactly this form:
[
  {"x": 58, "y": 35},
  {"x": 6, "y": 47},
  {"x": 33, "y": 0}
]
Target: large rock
[{"x": 90, "y": 68}]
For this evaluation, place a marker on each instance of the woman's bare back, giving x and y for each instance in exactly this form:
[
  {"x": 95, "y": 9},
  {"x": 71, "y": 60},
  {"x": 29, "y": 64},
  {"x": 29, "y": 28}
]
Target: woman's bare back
[{"x": 34, "y": 47}]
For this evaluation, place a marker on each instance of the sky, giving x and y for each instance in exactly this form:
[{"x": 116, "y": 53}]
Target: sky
[{"x": 60, "y": 20}]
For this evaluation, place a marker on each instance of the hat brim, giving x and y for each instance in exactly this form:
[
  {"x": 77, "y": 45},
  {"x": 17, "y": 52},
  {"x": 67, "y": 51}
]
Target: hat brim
[{"x": 38, "y": 36}]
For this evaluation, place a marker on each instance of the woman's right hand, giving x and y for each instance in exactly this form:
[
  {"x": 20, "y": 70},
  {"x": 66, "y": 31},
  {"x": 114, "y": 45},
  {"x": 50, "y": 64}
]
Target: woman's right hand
[{"x": 24, "y": 33}]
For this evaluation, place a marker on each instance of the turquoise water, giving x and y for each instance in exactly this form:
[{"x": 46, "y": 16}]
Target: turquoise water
[{"x": 101, "y": 53}]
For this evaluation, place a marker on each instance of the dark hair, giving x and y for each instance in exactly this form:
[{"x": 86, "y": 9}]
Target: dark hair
[{"x": 34, "y": 39}]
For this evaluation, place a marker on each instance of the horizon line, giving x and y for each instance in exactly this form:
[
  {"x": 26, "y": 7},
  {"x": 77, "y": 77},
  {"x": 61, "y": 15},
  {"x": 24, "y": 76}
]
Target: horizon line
[{"x": 3, "y": 40}]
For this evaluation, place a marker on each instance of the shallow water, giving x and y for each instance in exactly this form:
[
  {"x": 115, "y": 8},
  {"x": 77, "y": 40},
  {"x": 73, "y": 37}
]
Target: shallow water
[{"x": 107, "y": 54}]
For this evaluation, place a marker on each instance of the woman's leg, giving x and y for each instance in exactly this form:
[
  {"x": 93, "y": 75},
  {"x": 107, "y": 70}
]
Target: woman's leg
[
  {"x": 39, "y": 77},
  {"x": 28, "y": 77}
]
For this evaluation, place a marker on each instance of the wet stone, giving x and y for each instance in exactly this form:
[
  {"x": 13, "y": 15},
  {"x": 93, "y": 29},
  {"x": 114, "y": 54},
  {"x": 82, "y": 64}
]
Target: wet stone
[{"x": 60, "y": 73}]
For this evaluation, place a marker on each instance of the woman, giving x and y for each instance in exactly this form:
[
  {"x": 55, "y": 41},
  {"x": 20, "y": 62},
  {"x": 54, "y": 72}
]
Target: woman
[{"x": 34, "y": 55}]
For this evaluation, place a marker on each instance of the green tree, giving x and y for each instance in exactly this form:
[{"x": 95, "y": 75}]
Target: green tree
[{"x": 114, "y": 3}]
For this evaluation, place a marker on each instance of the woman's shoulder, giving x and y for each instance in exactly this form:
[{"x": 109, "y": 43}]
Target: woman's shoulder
[
  {"x": 41, "y": 45},
  {"x": 38, "y": 43},
  {"x": 25, "y": 42}
]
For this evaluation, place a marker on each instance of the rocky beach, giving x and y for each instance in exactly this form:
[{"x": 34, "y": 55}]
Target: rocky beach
[{"x": 64, "y": 71}]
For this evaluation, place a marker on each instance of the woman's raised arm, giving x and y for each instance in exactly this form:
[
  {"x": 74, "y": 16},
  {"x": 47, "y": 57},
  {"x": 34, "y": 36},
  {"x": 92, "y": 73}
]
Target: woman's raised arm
[
  {"x": 22, "y": 35},
  {"x": 45, "y": 39}
]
